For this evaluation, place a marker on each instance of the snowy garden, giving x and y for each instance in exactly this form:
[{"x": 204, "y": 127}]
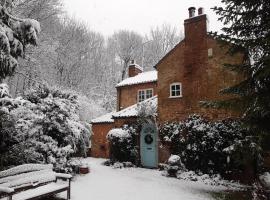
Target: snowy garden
[{"x": 56, "y": 75}]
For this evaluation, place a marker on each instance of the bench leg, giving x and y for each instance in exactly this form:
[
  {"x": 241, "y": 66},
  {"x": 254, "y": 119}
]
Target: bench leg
[
  {"x": 68, "y": 191},
  {"x": 9, "y": 197},
  {"x": 68, "y": 194}
]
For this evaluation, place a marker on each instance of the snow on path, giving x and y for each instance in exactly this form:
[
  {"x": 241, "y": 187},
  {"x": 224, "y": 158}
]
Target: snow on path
[{"x": 104, "y": 183}]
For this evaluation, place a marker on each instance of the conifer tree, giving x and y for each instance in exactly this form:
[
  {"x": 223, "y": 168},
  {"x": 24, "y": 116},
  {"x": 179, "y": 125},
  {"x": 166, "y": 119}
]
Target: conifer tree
[
  {"x": 15, "y": 35},
  {"x": 247, "y": 27}
]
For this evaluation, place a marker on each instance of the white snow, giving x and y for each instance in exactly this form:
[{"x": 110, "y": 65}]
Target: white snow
[
  {"x": 24, "y": 168},
  {"x": 61, "y": 175},
  {"x": 6, "y": 190},
  {"x": 132, "y": 111},
  {"x": 39, "y": 191},
  {"x": 145, "y": 77},
  {"x": 118, "y": 133},
  {"x": 174, "y": 159},
  {"x": 31, "y": 179},
  {"x": 265, "y": 179},
  {"x": 104, "y": 183},
  {"x": 107, "y": 118}
]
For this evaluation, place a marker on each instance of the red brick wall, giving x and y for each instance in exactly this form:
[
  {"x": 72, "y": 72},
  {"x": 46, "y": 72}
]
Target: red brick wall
[
  {"x": 133, "y": 71},
  {"x": 127, "y": 95},
  {"x": 100, "y": 145},
  {"x": 202, "y": 77}
]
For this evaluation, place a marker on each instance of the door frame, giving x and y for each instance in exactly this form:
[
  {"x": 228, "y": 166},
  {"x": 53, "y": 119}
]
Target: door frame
[{"x": 145, "y": 125}]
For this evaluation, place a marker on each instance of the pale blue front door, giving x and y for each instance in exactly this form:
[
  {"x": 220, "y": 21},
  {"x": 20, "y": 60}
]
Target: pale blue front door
[{"x": 148, "y": 146}]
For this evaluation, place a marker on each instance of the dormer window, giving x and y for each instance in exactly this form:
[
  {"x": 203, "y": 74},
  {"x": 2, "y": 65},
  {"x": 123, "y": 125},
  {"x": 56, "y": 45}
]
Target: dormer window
[
  {"x": 145, "y": 94},
  {"x": 175, "y": 90}
]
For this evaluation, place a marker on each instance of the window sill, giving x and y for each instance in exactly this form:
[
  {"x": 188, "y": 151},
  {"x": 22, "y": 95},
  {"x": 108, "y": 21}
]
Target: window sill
[{"x": 175, "y": 97}]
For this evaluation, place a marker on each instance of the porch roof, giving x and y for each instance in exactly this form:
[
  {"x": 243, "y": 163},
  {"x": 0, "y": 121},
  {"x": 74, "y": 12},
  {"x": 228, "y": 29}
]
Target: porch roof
[
  {"x": 107, "y": 118},
  {"x": 131, "y": 111}
]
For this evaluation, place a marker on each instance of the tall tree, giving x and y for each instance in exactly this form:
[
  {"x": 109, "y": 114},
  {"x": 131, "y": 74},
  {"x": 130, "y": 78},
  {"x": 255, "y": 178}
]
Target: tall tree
[
  {"x": 15, "y": 35},
  {"x": 247, "y": 26},
  {"x": 160, "y": 41},
  {"x": 128, "y": 45}
]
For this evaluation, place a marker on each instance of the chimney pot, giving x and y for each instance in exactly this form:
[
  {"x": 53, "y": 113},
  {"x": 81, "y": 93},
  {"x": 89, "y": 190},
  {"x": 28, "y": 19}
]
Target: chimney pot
[
  {"x": 200, "y": 11},
  {"x": 191, "y": 12}
]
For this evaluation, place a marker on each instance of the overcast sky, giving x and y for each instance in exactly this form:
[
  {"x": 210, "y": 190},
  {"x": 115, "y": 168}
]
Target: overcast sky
[{"x": 108, "y": 16}]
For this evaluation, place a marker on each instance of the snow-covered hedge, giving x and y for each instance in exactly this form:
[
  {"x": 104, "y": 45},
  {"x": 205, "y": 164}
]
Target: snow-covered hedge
[
  {"x": 123, "y": 145},
  {"x": 43, "y": 126},
  {"x": 211, "y": 147}
]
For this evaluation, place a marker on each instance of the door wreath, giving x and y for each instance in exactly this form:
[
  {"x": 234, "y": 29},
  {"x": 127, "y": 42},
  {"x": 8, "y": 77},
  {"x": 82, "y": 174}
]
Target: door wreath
[{"x": 148, "y": 139}]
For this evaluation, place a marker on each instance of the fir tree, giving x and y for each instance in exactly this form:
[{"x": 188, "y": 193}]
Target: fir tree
[
  {"x": 15, "y": 35},
  {"x": 247, "y": 26}
]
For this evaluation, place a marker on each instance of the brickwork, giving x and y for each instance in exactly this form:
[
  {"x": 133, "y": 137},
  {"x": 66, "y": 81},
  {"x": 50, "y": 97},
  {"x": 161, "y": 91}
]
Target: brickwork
[
  {"x": 202, "y": 77},
  {"x": 100, "y": 145},
  {"x": 128, "y": 95},
  {"x": 133, "y": 70}
]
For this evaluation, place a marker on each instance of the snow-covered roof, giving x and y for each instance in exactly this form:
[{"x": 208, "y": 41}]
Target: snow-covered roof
[
  {"x": 132, "y": 111},
  {"x": 107, "y": 118},
  {"x": 144, "y": 77}
]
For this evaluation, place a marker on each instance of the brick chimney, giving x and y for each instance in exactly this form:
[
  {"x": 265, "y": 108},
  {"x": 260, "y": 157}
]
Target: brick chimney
[
  {"x": 195, "y": 55},
  {"x": 195, "y": 26},
  {"x": 134, "y": 69}
]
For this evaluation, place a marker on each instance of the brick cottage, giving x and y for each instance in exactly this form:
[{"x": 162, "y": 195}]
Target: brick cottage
[{"x": 193, "y": 71}]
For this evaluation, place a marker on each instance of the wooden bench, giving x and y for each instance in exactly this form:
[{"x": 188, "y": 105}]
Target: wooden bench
[{"x": 32, "y": 181}]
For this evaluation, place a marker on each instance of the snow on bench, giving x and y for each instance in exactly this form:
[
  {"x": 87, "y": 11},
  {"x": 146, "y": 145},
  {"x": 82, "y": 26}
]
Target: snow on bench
[
  {"x": 40, "y": 191},
  {"x": 18, "y": 182},
  {"x": 24, "y": 168}
]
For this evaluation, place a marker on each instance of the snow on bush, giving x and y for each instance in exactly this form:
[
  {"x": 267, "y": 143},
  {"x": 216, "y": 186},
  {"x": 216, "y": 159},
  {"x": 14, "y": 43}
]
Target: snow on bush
[
  {"x": 119, "y": 134},
  {"x": 15, "y": 35},
  {"x": 265, "y": 179},
  {"x": 174, "y": 160},
  {"x": 123, "y": 145},
  {"x": 174, "y": 165},
  {"x": 46, "y": 128},
  {"x": 204, "y": 145}
]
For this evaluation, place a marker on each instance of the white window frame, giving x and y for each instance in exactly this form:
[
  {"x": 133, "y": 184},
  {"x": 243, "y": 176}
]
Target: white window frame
[
  {"x": 145, "y": 93},
  {"x": 171, "y": 91}
]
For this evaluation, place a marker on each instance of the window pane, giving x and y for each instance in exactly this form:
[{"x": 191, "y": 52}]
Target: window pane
[
  {"x": 176, "y": 90},
  {"x": 141, "y": 95},
  {"x": 149, "y": 93},
  {"x": 177, "y": 93}
]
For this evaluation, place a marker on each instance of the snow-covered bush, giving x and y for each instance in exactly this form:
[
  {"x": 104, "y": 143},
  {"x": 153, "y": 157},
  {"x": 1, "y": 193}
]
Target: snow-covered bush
[
  {"x": 211, "y": 147},
  {"x": 174, "y": 166},
  {"x": 15, "y": 35},
  {"x": 123, "y": 145},
  {"x": 47, "y": 127}
]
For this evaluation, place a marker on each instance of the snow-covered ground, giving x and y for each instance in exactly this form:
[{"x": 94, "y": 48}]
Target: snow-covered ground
[{"x": 104, "y": 183}]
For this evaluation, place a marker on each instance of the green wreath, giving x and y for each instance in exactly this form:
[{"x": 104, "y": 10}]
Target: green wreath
[{"x": 148, "y": 139}]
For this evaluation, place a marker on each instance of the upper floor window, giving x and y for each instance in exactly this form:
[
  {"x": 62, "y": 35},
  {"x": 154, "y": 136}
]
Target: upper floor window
[
  {"x": 175, "y": 90},
  {"x": 144, "y": 94}
]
